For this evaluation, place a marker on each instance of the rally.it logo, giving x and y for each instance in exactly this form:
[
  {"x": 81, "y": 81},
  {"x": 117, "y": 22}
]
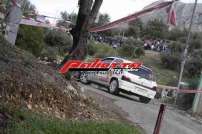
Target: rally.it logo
[{"x": 96, "y": 65}]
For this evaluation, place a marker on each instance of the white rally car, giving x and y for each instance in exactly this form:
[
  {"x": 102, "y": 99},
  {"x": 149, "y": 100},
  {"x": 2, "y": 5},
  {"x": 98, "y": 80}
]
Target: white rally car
[{"x": 138, "y": 82}]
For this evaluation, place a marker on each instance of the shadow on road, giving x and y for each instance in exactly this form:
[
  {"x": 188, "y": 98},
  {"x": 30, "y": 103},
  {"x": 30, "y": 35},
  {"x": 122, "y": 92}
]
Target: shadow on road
[
  {"x": 121, "y": 95},
  {"x": 129, "y": 97}
]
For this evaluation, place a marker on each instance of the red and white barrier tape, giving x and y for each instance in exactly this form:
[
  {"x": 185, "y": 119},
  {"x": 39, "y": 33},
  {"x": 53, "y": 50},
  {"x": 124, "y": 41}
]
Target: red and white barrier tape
[
  {"x": 188, "y": 91},
  {"x": 185, "y": 90}
]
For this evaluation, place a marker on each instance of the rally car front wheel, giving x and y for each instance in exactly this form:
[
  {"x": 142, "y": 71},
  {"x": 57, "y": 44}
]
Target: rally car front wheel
[
  {"x": 83, "y": 78},
  {"x": 114, "y": 87}
]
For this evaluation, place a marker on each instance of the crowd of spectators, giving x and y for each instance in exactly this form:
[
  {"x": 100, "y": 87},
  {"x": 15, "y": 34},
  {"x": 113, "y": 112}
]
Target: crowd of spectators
[
  {"x": 112, "y": 41},
  {"x": 156, "y": 45},
  {"x": 115, "y": 42}
]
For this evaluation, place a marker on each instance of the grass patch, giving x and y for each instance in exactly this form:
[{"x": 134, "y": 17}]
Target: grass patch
[
  {"x": 100, "y": 50},
  {"x": 163, "y": 76},
  {"x": 24, "y": 122}
]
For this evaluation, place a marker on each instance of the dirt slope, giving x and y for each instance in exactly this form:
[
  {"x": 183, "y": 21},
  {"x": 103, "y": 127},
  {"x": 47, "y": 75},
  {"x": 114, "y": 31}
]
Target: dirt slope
[{"x": 26, "y": 83}]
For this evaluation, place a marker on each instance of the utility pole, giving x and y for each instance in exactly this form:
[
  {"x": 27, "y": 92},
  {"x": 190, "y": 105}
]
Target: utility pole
[
  {"x": 186, "y": 49},
  {"x": 13, "y": 20}
]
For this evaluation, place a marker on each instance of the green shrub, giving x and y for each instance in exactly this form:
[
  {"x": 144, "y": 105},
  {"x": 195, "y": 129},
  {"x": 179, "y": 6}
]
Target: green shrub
[
  {"x": 130, "y": 51},
  {"x": 50, "y": 52},
  {"x": 139, "y": 52},
  {"x": 31, "y": 39},
  {"x": 127, "y": 51},
  {"x": 58, "y": 38},
  {"x": 193, "y": 67},
  {"x": 57, "y": 44},
  {"x": 92, "y": 48},
  {"x": 134, "y": 42},
  {"x": 177, "y": 34},
  {"x": 171, "y": 61},
  {"x": 194, "y": 82},
  {"x": 195, "y": 44},
  {"x": 100, "y": 50},
  {"x": 176, "y": 47},
  {"x": 182, "y": 39}
]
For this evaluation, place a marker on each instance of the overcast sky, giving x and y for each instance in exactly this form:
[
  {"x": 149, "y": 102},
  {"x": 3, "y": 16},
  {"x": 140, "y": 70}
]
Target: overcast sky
[{"x": 115, "y": 8}]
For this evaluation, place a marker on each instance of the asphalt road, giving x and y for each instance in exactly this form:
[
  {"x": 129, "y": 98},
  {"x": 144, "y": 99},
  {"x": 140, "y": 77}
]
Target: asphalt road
[{"x": 145, "y": 115}]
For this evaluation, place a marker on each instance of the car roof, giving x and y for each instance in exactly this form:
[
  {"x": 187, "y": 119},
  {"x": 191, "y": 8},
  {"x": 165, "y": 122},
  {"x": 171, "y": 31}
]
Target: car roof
[
  {"x": 125, "y": 60},
  {"x": 119, "y": 58}
]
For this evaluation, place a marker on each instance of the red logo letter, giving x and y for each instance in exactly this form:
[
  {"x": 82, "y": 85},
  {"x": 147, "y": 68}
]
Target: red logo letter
[{"x": 68, "y": 65}]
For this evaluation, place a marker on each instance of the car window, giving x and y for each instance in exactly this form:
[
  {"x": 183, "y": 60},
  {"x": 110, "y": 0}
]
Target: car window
[
  {"x": 143, "y": 73},
  {"x": 107, "y": 60},
  {"x": 118, "y": 61}
]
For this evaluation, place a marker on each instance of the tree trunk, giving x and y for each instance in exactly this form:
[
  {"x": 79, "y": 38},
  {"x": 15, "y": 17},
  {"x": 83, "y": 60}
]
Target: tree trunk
[
  {"x": 13, "y": 21},
  {"x": 88, "y": 10}
]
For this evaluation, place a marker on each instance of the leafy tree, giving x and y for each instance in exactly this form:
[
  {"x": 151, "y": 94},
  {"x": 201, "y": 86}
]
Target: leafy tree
[
  {"x": 155, "y": 29},
  {"x": 58, "y": 38},
  {"x": 73, "y": 18},
  {"x": 130, "y": 51},
  {"x": 177, "y": 35},
  {"x": 134, "y": 42},
  {"x": 193, "y": 67},
  {"x": 135, "y": 29},
  {"x": 179, "y": 39},
  {"x": 31, "y": 39},
  {"x": 66, "y": 18},
  {"x": 27, "y": 7},
  {"x": 176, "y": 47},
  {"x": 195, "y": 44},
  {"x": 103, "y": 19}
]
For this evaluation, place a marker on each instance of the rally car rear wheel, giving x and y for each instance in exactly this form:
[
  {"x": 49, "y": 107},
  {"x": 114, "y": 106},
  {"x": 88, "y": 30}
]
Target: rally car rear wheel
[{"x": 144, "y": 99}]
